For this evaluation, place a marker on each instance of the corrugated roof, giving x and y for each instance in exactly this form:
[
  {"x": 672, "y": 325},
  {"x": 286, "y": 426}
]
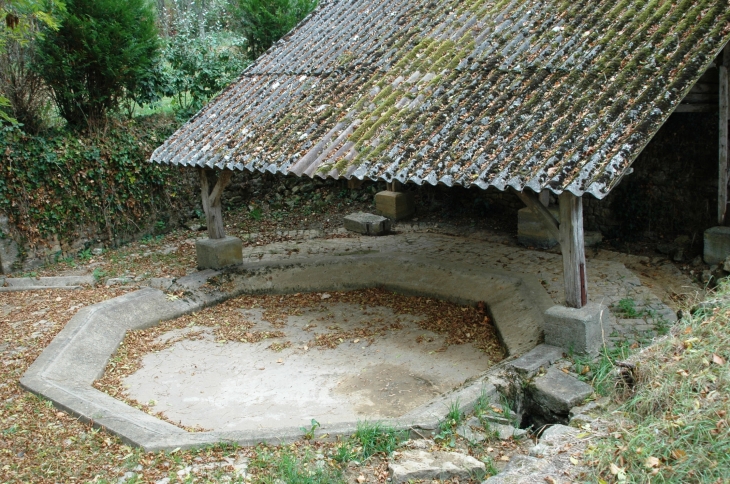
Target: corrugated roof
[{"x": 550, "y": 94}]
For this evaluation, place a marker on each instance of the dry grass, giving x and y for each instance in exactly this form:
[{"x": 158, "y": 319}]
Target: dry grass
[{"x": 674, "y": 426}]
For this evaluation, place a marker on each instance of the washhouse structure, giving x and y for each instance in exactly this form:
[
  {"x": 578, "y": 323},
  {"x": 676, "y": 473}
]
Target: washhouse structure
[{"x": 527, "y": 95}]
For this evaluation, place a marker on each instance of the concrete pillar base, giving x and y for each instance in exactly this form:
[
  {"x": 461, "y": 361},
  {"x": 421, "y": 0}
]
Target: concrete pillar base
[
  {"x": 576, "y": 330},
  {"x": 717, "y": 245},
  {"x": 395, "y": 205},
  {"x": 531, "y": 231},
  {"x": 219, "y": 253}
]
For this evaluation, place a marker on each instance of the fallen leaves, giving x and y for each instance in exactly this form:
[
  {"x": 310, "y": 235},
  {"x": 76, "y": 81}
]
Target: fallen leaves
[
  {"x": 718, "y": 360},
  {"x": 617, "y": 471}
]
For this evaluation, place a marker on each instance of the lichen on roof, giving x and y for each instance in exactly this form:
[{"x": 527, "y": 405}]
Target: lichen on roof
[{"x": 550, "y": 94}]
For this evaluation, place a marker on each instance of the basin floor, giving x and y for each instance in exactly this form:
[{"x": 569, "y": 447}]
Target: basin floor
[{"x": 201, "y": 382}]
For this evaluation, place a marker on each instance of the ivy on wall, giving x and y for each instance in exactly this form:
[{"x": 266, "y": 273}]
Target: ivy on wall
[{"x": 64, "y": 184}]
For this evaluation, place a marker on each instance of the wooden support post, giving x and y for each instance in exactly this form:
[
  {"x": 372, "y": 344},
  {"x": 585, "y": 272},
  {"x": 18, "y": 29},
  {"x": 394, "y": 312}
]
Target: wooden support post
[
  {"x": 545, "y": 197},
  {"x": 212, "y": 200},
  {"x": 394, "y": 186},
  {"x": 723, "y": 155},
  {"x": 572, "y": 246}
]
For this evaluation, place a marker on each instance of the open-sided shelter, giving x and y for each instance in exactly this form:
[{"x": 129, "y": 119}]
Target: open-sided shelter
[{"x": 529, "y": 95}]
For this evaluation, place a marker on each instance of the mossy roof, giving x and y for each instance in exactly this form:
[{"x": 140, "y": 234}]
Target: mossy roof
[{"x": 550, "y": 94}]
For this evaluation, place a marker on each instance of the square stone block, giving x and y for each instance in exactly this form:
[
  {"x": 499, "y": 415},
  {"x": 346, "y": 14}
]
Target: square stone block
[
  {"x": 717, "y": 245},
  {"x": 367, "y": 224},
  {"x": 395, "y": 205},
  {"x": 558, "y": 393},
  {"x": 531, "y": 230},
  {"x": 577, "y": 330},
  {"x": 219, "y": 253}
]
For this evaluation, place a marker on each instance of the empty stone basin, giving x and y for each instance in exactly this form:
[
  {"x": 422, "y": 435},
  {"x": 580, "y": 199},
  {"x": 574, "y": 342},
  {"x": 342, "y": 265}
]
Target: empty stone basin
[
  {"x": 334, "y": 362},
  {"x": 69, "y": 369}
]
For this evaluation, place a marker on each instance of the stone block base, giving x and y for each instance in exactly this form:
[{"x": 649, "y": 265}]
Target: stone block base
[
  {"x": 219, "y": 253},
  {"x": 367, "y": 224},
  {"x": 531, "y": 230},
  {"x": 395, "y": 205},
  {"x": 577, "y": 330},
  {"x": 717, "y": 245}
]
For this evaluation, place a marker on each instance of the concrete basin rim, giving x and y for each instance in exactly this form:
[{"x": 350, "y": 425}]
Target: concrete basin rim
[{"x": 135, "y": 427}]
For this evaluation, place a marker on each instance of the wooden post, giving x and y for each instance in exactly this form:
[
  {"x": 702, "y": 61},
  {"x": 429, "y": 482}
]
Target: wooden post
[
  {"x": 572, "y": 246},
  {"x": 394, "y": 186},
  {"x": 723, "y": 155},
  {"x": 212, "y": 200}
]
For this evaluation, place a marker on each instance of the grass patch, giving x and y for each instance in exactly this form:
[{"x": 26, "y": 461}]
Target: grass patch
[
  {"x": 627, "y": 307},
  {"x": 674, "y": 425},
  {"x": 369, "y": 439},
  {"x": 599, "y": 372},
  {"x": 376, "y": 438},
  {"x": 283, "y": 464}
]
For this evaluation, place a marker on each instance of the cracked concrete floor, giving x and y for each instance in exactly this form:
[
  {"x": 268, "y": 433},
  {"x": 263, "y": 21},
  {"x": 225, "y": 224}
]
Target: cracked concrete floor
[{"x": 204, "y": 383}]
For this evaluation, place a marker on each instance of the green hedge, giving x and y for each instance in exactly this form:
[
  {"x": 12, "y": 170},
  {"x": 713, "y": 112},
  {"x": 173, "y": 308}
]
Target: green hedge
[{"x": 66, "y": 184}]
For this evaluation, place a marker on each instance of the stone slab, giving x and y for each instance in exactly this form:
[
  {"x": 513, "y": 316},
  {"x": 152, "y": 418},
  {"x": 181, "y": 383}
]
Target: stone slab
[
  {"x": 531, "y": 231},
  {"x": 473, "y": 430},
  {"x": 555, "y": 434},
  {"x": 542, "y": 356},
  {"x": 420, "y": 464},
  {"x": 717, "y": 245},
  {"x": 576, "y": 330},
  {"x": 48, "y": 282},
  {"x": 558, "y": 392},
  {"x": 367, "y": 223},
  {"x": 395, "y": 205},
  {"x": 219, "y": 253},
  {"x": 591, "y": 238},
  {"x": 36, "y": 288}
]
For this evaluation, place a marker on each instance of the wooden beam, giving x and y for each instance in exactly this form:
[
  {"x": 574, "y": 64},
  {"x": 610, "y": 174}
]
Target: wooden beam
[
  {"x": 212, "y": 200},
  {"x": 723, "y": 152},
  {"x": 534, "y": 204},
  {"x": 696, "y": 108},
  {"x": 572, "y": 245},
  {"x": 545, "y": 197}
]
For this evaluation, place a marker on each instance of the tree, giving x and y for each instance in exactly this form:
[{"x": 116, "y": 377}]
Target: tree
[
  {"x": 263, "y": 22},
  {"x": 104, "y": 53},
  {"x": 23, "y": 19}
]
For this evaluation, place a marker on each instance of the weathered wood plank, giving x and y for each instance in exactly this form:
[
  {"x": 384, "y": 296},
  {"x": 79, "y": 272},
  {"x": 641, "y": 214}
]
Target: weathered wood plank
[
  {"x": 710, "y": 75},
  {"x": 696, "y": 108},
  {"x": 702, "y": 88},
  {"x": 534, "y": 204},
  {"x": 723, "y": 144},
  {"x": 212, "y": 200},
  {"x": 700, "y": 98},
  {"x": 572, "y": 246}
]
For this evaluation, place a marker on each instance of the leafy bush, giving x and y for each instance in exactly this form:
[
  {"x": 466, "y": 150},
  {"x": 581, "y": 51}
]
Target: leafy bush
[
  {"x": 263, "y": 22},
  {"x": 103, "y": 53},
  {"x": 199, "y": 67},
  {"x": 62, "y": 183}
]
